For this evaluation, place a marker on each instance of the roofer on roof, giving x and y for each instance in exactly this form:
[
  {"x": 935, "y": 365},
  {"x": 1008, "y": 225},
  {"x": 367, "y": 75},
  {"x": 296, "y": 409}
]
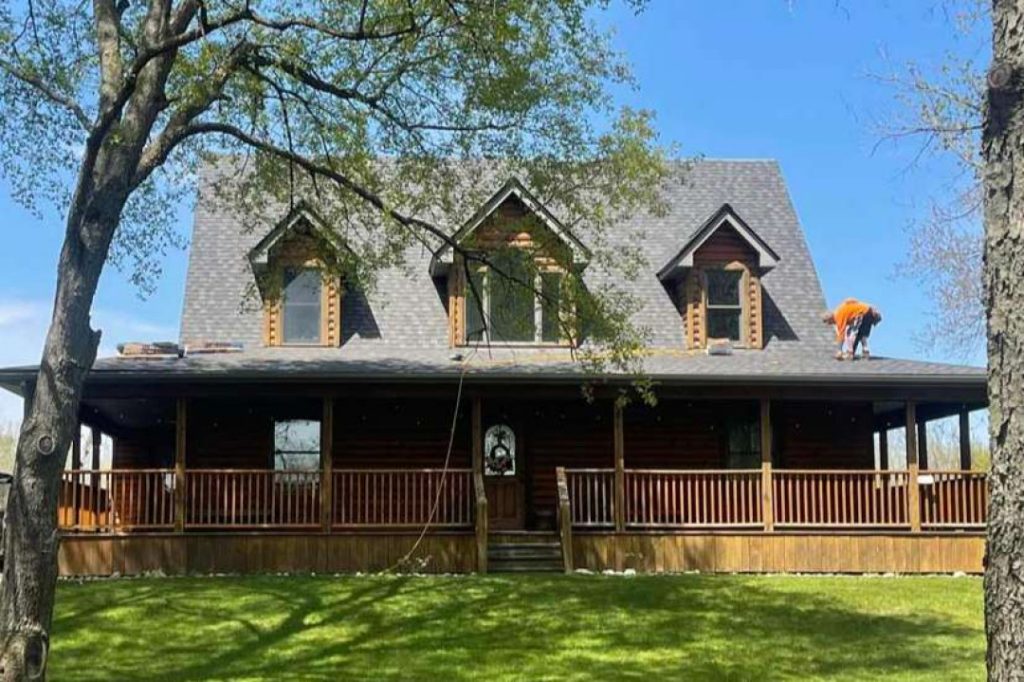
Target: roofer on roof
[{"x": 853, "y": 321}]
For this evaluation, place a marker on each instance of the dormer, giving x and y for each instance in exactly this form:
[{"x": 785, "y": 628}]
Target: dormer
[
  {"x": 521, "y": 238},
  {"x": 716, "y": 276},
  {"x": 297, "y": 281}
]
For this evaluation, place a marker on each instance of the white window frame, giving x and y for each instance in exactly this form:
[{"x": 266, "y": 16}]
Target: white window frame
[{"x": 485, "y": 304}]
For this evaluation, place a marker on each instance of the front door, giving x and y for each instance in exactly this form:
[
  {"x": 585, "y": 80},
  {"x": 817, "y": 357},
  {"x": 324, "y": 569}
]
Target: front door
[{"x": 503, "y": 479}]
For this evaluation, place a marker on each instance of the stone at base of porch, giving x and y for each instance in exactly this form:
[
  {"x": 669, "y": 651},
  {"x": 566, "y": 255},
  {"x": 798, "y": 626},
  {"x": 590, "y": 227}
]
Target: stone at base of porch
[{"x": 455, "y": 552}]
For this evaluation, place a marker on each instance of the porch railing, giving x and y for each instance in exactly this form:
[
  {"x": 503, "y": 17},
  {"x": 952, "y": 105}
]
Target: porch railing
[
  {"x": 402, "y": 497},
  {"x": 835, "y": 499},
  {"x": 957, "y": 499},
  {"x": 135, "y": 499},
  {"x": 591, "y": 497},
  {"x": 784, "y": 499},
  {"x": 677, "y": 498},
  {"x": 795, "y": 499},
  {"x": 252, "y": 498}
]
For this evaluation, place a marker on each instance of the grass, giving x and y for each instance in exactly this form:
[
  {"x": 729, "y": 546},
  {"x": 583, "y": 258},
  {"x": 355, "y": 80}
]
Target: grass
[{"x": 520, "y": 628}]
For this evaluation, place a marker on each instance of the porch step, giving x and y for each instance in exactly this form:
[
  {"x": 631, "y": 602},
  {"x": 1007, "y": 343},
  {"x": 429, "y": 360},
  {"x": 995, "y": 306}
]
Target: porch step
[{"x": 524, "y": 557}]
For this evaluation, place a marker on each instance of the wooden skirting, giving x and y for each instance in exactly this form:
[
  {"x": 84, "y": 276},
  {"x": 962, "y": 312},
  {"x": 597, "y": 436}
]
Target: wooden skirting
[
  {"x": 758, "y": 552},
  {"x": 455, "y": 552},
  {"x": 106, "y": 555}
]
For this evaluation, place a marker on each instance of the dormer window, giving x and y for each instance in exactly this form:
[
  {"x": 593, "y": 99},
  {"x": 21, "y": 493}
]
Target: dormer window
[
  {"x": 301, "y": 305},
  {"x": 516, "y": 296},
  {"x": 724, "y": 304},
  {"x": 716, "y": 278},
  {"x": 301, "y": 298},
  {"x": 520, "y": 305}
]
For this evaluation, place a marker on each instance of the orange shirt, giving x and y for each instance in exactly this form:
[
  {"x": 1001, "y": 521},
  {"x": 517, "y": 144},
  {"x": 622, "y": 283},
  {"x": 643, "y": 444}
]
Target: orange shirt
[{"x": 847, "y": 310}]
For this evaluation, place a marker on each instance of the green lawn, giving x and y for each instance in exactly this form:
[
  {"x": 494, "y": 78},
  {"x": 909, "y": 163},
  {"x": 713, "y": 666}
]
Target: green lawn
[{"x": 530, "y": 628}]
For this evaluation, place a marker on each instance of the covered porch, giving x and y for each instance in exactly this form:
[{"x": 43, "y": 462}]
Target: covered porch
[{"x": 707, "y": 463}]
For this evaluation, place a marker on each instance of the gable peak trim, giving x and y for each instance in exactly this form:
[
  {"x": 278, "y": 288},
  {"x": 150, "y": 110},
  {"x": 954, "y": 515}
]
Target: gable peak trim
[{"x": 725, "y": 215}]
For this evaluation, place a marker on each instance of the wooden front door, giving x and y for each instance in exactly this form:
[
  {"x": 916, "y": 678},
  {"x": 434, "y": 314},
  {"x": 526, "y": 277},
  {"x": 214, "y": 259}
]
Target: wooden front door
[
  {"x": 503, "y": 479},
  {"x": 506, "y": 509}
]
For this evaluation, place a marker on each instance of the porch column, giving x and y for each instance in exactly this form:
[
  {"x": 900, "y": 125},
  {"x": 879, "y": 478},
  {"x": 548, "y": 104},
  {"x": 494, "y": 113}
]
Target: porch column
[
  {"x": 913, "y": 492},
  {"x": 767, "y": 510},
  {"x": 922, "y": 445},
  {"x": 477, "y": 450},
  {"x": 965, "y": 439},
  {"x": 76, "y": 447},
  {"x": 180, "y": 431},
  {"x": 883, "y": 448},
  {"x": 97, "y": 443},
  {"x": 620, "y": 468},
  {"x": 327, "y": 466}
]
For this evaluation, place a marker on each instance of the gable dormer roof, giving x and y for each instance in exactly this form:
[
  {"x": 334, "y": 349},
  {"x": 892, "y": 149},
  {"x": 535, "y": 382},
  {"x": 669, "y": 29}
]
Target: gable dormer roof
[
  {"x": 512, "y": 188},
  {"x": 300, "y": 215},
  {"x": 723, "y": 217}
]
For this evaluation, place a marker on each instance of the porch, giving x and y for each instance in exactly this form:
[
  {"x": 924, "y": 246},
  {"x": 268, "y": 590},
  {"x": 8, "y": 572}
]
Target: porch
[{"x": 616, "y": 488}]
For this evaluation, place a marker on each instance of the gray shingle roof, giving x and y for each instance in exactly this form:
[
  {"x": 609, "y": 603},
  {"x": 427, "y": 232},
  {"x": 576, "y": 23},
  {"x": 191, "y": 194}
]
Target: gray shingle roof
[{"x": 400, "y": 330}]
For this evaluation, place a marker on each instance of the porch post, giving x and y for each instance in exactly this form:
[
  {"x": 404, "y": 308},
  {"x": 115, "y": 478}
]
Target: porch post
[
  {"x": 76, "y": 447},
  {"x": 767, "y": 510},
  {"x": 97, "y": 442},
  {"x": 477, "y": 450},
  {"x": 620, "y": 468},
  {"x": 922, "y": 445},
  {"x": 180, "y": 431},
  {"x": 965, "y": 440},
  {"x": 913, "y": 491},
  {"x": 327, "y": 466},
  {"x": 883, "y": 448}
]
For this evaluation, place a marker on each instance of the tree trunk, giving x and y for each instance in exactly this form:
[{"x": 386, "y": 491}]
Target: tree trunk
[
  {"x": 1003, "y": 153},
  {"x": 30, "y": 537}
]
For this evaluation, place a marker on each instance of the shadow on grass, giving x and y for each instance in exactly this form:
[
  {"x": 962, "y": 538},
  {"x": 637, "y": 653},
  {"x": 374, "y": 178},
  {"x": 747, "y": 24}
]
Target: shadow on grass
[{"x": 577, "y": 627}]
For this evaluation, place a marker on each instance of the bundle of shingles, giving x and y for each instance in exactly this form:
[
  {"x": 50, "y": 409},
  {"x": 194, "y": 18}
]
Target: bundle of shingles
[
  {"x": 154, "y": 349},
  {"x": 169, "y": 349},
  {"x": 211, "y": 347}
]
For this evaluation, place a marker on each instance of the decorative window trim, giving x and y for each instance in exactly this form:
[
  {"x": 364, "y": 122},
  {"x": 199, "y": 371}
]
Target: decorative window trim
[
  {"x": 459, "y": 302},
  {"x": 331, "y": 294},
  {"x": 695, "y": 296}
]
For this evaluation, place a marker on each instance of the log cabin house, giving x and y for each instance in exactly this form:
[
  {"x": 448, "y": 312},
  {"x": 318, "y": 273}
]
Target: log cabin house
[{"x": 319, "y": 440}]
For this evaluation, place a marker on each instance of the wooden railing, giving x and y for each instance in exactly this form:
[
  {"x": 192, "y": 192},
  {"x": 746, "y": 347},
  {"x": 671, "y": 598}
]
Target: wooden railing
[
  {"x": 840, "y": 498},
  {"x": 812, "y": 499},
  {"x": 403, "y": 497},
  {"x": 480, "y": 501},
  {"x": 120, "y": 499},
  {"x": 677, "y": 498},
  {"x": 591, "y": 497},
  {"x": 953, "y": 499},
  {"x": 564, "y": 519},
  {"x": 251, "y": 498}
]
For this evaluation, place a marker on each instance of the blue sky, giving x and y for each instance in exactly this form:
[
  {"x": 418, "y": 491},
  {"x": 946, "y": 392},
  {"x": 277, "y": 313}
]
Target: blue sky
[{"x": 790, "y": 81}]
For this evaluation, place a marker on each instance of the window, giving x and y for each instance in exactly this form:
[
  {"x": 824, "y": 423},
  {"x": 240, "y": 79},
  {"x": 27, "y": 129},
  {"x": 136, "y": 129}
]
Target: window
[
  {"x": 744, "y": 446},
  {"x": 300, "y": 302},
  {"x": 500, "y": 451},
  {"x": 724, "y": 304},
  {"x": 296, "y": 449},
  {"x": 515, "y": 313}
]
